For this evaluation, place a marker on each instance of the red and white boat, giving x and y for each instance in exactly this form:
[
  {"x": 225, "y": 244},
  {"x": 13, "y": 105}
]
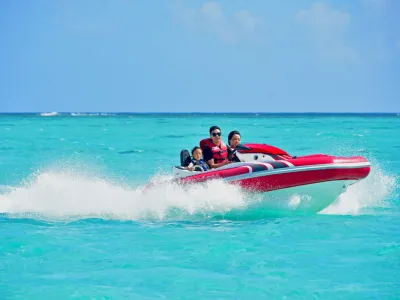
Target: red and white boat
[{"x": 268, "y": 169}]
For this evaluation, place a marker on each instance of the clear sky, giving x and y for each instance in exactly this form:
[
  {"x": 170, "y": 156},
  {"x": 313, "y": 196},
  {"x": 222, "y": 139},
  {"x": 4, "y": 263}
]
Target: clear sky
[{"x": 202, "y": 56}]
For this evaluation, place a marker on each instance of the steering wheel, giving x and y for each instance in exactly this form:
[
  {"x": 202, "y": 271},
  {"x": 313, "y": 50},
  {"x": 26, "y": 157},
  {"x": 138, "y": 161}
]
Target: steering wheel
[{"x": 198, "y": 168}]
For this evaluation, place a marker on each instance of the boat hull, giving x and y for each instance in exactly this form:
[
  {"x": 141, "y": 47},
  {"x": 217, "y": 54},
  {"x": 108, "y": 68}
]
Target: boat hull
[
  {"x": 266, "y": 177},
  {"x": 299, "y": 200},
  {"x": 267, "y": 181},
  {"x": 275, "y": 174}
]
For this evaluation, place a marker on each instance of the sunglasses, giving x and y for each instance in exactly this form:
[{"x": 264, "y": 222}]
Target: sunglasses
[{"x": 216, "y": 133}]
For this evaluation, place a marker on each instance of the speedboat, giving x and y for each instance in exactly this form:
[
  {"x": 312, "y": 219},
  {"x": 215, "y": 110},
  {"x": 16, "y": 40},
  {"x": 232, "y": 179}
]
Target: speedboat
[{"x": 267, "y": 169}]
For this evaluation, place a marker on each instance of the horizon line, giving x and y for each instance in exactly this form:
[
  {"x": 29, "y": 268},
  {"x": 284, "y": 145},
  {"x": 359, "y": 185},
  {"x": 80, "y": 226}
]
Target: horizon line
[{"x": 193, "y": 112}]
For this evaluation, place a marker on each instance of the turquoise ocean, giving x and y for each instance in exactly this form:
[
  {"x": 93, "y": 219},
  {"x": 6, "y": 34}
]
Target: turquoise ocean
[{"x": 77, "y": 223}]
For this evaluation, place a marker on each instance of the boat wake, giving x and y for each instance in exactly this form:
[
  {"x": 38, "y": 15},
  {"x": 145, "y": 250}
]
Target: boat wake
[{"x": 68, "y": 196}]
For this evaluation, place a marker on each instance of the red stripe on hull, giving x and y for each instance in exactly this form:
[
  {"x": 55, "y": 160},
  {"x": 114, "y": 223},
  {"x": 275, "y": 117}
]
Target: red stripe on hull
[{"x": 292, "y": 179}]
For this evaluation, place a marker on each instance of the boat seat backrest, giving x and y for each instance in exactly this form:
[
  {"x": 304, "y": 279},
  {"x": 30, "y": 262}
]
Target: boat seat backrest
[{"x": 185, "y": 158}]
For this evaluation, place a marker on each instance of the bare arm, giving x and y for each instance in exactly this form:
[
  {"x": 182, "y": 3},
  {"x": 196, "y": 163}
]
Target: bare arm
[{"x": 214, "y": 165}]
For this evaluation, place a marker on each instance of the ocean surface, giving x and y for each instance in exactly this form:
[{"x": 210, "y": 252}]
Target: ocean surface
[{"x": 77, "y": 223}]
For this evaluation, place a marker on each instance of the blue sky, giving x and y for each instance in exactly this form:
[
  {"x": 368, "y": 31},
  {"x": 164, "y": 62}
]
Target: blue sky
[{"x": 203, "y": 56}]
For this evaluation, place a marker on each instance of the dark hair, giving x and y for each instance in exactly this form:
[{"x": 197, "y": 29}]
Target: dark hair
[
  {"x": 212, "y": 128},
  {"x": 231, "y": 134},
  {"x": 195, "y": 148}
]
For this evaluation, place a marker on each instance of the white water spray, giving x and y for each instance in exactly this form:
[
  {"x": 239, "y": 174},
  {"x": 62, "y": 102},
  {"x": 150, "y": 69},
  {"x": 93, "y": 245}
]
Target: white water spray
[
  {"x": 67, "y": 195},
  {"x": 371, "y": 192}
]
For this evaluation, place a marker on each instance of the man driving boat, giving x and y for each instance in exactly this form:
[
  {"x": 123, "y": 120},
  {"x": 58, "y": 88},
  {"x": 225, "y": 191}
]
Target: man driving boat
[{"x": 214, "y": 149}]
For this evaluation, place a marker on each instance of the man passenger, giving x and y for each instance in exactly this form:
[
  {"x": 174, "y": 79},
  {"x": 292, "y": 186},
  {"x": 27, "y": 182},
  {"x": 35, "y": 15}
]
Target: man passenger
[{"x": 215, "y": 150}]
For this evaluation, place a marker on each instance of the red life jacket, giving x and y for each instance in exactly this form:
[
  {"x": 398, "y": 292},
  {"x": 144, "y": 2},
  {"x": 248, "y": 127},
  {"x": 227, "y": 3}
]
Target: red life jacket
[{"x": 220, "y": 154}]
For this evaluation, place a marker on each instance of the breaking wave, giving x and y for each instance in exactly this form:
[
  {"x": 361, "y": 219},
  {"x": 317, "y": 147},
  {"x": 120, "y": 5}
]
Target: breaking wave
[{"x": 49, "y": 114}]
